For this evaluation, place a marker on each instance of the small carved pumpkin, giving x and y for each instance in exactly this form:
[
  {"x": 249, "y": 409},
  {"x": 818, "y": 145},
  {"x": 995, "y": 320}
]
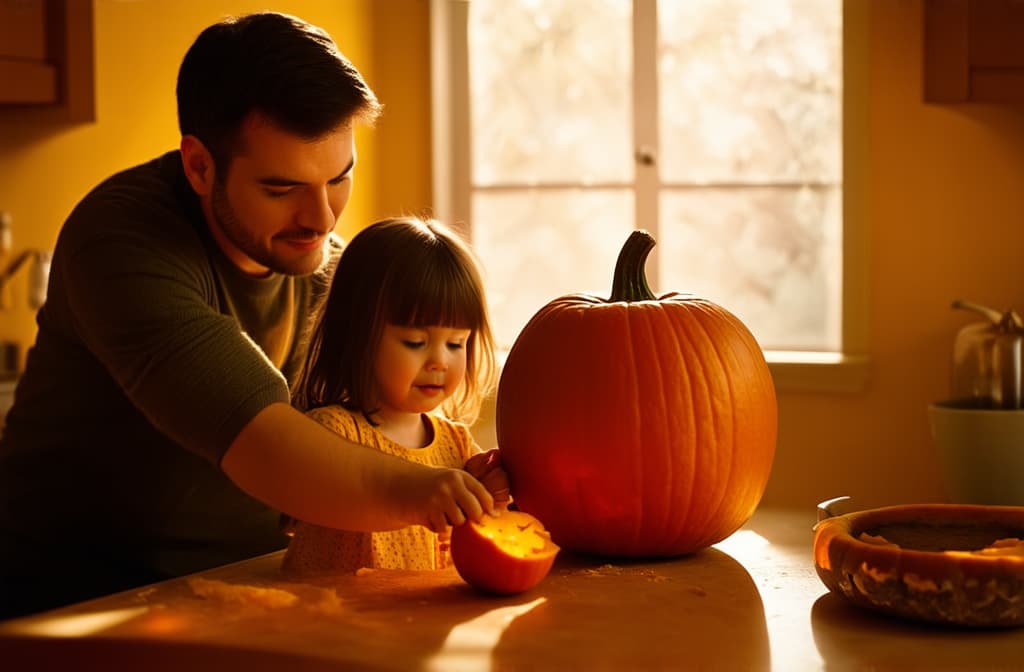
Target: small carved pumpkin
[
  {"x": 636, "y": 425},
  {"x": 506, "y": 554}
]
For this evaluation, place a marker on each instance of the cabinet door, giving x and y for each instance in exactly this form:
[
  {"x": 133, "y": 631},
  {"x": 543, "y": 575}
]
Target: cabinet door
[
  {"x": 997, "y": 34},
  {"x": 46, "y": 59},
  {"x": 974, "y": 51},
  {"x": 25, "y": 74},
  {"x": 22, "y": 30}
]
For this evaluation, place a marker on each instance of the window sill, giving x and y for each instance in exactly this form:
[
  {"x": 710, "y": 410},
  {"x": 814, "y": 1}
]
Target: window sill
[
  {"x": 794, "y": 371},
  {"x": 817, "y": 371}
]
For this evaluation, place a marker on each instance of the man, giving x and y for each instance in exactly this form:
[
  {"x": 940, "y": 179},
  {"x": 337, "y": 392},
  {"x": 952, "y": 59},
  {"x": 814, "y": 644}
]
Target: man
[{"x": 151, "y": 435}]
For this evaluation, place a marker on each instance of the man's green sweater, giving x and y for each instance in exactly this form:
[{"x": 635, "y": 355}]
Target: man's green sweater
[{"x": 153, "y": 352}]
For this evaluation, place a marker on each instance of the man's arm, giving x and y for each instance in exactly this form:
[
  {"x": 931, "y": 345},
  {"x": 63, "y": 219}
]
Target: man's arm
[{"x": 297, "y": 466}]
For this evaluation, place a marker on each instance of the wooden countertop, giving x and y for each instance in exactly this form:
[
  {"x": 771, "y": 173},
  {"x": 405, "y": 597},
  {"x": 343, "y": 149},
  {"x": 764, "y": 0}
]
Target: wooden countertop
[{"x": 753, "y": 602}]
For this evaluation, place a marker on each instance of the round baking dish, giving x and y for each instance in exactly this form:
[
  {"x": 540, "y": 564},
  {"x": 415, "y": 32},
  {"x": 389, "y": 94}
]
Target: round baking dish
[{"x": 958, "y": 564}]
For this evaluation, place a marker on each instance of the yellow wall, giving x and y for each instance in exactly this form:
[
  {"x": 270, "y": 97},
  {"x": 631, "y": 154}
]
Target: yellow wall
[
  {"x": 401, "y": 60},
  {"x": 945, "y": 220},
  {"x": 943, "y": 204},
  {"x": 48, "y": 167}
]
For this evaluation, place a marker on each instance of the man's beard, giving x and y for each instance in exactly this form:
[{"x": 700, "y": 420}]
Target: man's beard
[{"x": 235, "y": 231}]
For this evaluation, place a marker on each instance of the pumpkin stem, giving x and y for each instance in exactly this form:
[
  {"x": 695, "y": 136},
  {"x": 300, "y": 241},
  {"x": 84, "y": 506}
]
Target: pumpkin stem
[{"x": 629, "y": 282}]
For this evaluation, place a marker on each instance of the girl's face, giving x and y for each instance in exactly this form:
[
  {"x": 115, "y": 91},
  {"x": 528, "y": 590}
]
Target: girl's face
[{"x": 417, "y": 368}]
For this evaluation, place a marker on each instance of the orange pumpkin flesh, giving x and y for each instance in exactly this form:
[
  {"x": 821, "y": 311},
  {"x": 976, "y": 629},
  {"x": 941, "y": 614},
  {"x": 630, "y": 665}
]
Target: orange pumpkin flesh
[
  {"x": 506, "y": 554},
  {"x": 942, "y": 563},
  {"x": 638, "y": 425}
]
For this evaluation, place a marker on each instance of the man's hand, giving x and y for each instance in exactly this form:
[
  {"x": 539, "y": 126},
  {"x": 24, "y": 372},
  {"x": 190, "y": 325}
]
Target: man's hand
[
  {"x": 447, "y": 497},
  {"x": 296, "y": 465}
]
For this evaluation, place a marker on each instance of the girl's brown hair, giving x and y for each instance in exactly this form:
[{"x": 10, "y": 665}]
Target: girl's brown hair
[{"x": 406, "y": 271}]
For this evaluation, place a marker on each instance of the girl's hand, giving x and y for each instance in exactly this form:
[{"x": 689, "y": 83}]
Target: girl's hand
[{"x": 486, "y": 468}]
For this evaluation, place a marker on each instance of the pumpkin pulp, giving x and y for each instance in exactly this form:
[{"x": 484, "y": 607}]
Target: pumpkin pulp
[{"x": 516, "y": 534}]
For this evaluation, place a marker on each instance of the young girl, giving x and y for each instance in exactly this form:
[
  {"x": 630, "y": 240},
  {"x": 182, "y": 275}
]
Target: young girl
[{"x": 403, "y": 333}]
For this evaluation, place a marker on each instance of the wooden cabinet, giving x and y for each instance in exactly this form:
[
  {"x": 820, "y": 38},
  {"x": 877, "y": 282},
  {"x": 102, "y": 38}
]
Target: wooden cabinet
[
  {"x": 973, "y": 51},
  {"x": 46, "y": 57},
  {"x": 26, "y": 75}
]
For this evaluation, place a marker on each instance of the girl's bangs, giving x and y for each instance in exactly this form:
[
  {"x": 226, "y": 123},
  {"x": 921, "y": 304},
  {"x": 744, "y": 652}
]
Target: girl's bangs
[{"x": 428, "y": 297}]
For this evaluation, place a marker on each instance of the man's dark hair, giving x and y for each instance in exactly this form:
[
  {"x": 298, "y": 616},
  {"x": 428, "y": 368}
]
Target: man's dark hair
[{"x": 278, "y": 65}]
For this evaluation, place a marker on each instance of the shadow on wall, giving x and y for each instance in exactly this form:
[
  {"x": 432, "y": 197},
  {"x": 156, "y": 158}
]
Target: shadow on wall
[{"x": 22, "y": 128}]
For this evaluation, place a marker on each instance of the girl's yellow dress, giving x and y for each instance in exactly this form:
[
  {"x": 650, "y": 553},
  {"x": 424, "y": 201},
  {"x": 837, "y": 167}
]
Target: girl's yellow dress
[{"x": 317, "y": 550}]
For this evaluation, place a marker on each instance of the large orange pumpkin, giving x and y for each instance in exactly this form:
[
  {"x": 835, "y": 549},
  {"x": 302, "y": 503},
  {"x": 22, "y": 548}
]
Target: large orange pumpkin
[{"x": 637, "y": 425}]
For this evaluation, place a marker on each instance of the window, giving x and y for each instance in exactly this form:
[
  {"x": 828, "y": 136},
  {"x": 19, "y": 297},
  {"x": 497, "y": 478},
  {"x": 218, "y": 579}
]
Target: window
[{"x": 717, "y": 125}]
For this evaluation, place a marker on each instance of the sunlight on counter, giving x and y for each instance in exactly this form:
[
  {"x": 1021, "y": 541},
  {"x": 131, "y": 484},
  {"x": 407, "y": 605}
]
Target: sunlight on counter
[
  {"x": 743, "y": 544},
  {"x": 80, "y": 625},
  {"x": 469, "y": 645},
  {"x": 785, "y": 578}
]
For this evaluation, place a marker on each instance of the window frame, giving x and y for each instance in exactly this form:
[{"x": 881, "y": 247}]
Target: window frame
[{"x": 845, "y": 371}]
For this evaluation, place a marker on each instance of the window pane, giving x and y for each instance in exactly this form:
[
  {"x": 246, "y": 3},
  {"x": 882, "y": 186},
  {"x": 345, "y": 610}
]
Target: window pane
[
  {"x": 771, "y": 256},
  {"x": 538, "y": 245},
  {"x": 750, "y": 90},
  {"x": 550, "y": 91},
  {"x": 748, "y": 178}
]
